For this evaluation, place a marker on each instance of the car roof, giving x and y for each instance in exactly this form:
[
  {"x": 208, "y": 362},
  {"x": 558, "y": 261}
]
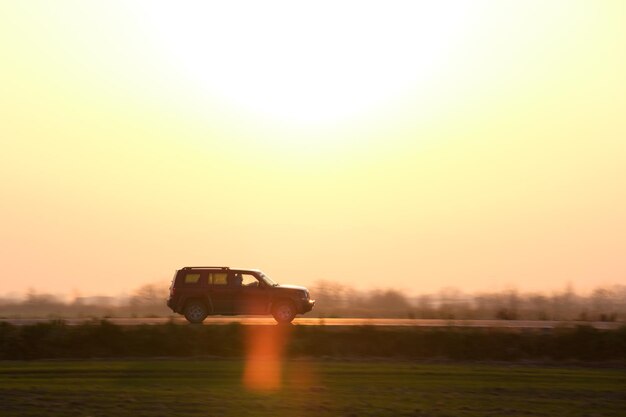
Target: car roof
[
  {"x": 204, "y": 267},
  {"x": 222, "y": 268}
]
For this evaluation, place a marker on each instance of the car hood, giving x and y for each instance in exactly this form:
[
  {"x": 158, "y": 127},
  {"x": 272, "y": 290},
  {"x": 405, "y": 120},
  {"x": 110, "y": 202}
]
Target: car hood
[{"x": 291, "y": 287}]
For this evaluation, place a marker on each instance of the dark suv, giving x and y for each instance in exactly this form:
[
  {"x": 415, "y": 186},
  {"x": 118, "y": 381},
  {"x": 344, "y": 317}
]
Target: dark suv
[{"x": 199, "y": 291}]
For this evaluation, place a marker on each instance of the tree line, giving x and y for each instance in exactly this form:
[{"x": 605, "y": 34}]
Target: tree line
[
  {"x": 338, "y": 300},
  {"x": 602, "y": 304}
]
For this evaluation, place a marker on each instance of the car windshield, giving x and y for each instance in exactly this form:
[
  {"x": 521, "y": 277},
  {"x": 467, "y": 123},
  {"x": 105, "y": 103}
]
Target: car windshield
[{"x": 267, "y": 280}]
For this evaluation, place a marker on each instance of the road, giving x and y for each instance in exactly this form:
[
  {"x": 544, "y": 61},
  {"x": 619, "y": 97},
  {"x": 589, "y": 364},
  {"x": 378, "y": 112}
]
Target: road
[{"x": 307, "y": 321}]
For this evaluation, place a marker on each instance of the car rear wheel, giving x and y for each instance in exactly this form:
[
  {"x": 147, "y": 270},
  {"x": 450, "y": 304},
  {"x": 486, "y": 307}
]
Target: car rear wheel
[
  {"x": 196, "y": 312},
  {"x": 284, "y": 312}
]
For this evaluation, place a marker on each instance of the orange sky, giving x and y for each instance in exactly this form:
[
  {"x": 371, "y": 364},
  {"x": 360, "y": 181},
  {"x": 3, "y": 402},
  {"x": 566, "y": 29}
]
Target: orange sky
[{"x": 416, "y": 145}]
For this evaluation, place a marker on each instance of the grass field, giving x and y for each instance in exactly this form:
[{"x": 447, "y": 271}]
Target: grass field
[{"x": 306, "y": 388}]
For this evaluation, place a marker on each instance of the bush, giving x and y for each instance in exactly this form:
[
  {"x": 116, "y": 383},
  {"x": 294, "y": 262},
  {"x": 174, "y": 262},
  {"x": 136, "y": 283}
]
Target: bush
[{"x": 102, "y": 339}]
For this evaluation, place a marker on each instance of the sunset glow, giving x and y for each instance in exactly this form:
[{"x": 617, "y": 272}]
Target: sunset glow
[
  {"x": 305, "y": 65},
  {"x": 415, "y": 145}
]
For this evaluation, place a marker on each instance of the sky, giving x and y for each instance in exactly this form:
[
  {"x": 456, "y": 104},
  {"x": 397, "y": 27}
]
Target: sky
[{"x": 411, "y": 145}]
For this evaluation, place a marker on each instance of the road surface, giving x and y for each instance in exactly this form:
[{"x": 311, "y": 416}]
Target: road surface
[{"x": 308, "y": 321}]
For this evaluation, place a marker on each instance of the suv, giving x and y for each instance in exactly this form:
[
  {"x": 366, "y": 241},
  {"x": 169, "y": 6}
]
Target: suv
[{"x": 199, "y": 291}]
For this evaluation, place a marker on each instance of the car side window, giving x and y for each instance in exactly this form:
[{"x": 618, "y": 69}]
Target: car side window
[
  {"x": 218, "y": 278},
  {"x": 249, "y": 280},
  {"x": 191, "y": 279}
]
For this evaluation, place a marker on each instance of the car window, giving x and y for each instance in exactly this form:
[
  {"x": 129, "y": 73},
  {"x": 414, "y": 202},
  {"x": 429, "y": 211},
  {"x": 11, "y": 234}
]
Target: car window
[
  {"x": 218, "y": 278},
  {"x": 192, "y": 278},
  {"x": 249, "y": 280}
]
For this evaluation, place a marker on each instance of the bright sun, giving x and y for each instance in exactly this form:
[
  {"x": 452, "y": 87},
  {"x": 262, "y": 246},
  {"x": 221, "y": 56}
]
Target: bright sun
[{"x": 307, "y": 63}]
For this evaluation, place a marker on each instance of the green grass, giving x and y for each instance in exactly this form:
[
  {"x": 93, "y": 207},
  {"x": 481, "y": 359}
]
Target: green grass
[{"x": 307, "y": 388}]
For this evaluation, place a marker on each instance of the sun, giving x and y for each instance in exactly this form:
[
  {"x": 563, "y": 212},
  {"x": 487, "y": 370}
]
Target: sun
[{"x": 306, "y": 63}]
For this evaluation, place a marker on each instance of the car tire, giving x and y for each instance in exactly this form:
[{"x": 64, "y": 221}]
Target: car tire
[
  {"x": 284, "y": 312},
  {"x": 196, "y": 312}
]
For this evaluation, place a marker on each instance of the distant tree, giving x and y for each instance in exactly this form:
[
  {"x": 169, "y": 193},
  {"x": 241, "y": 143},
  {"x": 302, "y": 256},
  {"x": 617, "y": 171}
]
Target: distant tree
[{"x": 149, "y": 300}]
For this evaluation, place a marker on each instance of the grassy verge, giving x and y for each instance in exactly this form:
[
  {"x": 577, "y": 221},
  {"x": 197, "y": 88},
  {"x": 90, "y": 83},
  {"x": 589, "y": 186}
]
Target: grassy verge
[
  {"x": 105, "y": 340},
  {"x": 313, "y": 387}
]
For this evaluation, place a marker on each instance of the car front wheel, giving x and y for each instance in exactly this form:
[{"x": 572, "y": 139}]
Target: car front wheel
[
  {"x": 196, "y": 312},
  {"x": 284, "y": 312}
]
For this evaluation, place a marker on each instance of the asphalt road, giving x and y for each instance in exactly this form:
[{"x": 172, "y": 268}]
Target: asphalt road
[{"x": 307, "y": 321}]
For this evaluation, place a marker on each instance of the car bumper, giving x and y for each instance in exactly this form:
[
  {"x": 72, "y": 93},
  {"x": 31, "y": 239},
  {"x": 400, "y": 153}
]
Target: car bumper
[
  {"x": 172, "y": 305},
  {"x": 307, "y": 306}
]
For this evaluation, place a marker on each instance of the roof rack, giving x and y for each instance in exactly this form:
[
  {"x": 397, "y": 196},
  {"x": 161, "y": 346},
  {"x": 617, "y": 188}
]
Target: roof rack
[{"x": 207, "y": 267}]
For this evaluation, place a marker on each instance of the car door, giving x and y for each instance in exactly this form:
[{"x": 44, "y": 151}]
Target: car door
[
  {"x": 222, "y": 294},
  {"x": 253, "y": 297}
]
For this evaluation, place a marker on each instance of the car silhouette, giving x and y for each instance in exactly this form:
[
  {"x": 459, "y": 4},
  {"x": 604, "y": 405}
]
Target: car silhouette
[{"x": 200, "y": 291}]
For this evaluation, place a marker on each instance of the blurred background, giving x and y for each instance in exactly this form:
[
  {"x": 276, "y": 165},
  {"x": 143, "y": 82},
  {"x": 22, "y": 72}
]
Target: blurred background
[{"x": 386, "y": 151}]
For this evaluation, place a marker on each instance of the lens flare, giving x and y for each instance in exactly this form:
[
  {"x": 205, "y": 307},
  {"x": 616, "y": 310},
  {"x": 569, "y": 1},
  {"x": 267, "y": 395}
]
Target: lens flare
[{"x": 265, "y": 346}]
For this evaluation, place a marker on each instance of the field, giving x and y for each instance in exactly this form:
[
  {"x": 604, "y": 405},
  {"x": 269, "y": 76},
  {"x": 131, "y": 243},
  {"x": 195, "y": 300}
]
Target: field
[
  {"x": 314, "y": 387},
  {"x": 102, "y": 369}
]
